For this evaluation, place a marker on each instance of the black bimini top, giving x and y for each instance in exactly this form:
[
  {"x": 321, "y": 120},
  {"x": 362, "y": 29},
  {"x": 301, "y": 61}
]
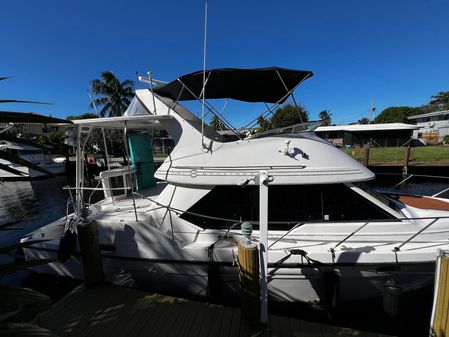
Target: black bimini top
[{"x": 271, "y": 85}]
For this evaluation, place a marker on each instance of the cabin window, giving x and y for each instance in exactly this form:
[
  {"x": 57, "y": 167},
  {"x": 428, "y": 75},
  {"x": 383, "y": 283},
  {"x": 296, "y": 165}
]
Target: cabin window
[{"x": 287, "y": 205}]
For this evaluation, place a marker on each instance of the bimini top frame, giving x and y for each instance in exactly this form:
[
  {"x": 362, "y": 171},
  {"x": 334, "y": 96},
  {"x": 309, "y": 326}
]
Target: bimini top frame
[{"x": 267, "y": 85}]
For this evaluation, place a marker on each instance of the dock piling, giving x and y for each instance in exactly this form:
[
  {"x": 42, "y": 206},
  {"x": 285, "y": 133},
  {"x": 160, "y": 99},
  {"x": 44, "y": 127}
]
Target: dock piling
[
  {"x": 248, "y": 255},
  {"x": 366, "y": 157},
  {"x": 90, "y": 253},
  {"x": 406, "y": 160}
]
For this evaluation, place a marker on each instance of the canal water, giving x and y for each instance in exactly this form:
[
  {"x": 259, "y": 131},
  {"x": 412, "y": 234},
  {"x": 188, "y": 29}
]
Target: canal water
[{"x": 28, "y": 205}]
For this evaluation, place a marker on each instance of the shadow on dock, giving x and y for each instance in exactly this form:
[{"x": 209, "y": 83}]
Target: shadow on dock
[{"x": 108, "y": 310}]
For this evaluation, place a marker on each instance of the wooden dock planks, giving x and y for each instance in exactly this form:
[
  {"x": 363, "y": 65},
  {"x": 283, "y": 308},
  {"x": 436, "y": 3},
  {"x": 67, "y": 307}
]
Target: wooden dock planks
[{"x": 109, "y": 311}]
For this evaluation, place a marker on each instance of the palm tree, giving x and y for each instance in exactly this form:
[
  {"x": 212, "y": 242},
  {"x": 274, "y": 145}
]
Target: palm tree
[
  {"x": 216, "y": 124},
  {"x": 114, "y": 96},
  {"x": 325, "y": 117},
  {"x": 363, "y": 120}
]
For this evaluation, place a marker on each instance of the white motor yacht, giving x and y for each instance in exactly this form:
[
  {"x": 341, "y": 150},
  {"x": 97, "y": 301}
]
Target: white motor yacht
[
  {"x": 330, "y": 237},
  {"x": 33, "y": 155}
]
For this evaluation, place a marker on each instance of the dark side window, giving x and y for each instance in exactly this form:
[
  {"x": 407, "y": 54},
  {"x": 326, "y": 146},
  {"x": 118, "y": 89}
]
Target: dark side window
[{"x": 287, "y": 205}]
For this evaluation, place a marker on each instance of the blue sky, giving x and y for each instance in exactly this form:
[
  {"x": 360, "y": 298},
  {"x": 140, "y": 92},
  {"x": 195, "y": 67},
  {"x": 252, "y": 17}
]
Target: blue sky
[{"x": 395, "y": 52}]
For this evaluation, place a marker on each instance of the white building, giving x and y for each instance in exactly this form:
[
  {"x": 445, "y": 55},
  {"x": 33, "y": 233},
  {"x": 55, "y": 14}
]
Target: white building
[
  {"x": 433, "y": 126},
  {"x": 382, "y": 135}
]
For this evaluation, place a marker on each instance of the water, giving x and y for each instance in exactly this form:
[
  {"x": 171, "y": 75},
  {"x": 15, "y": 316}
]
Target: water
[{"x": 29, "y": 205}]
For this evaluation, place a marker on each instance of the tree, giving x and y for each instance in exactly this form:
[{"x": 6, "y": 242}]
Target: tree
[
  {"x": 87, "y": 115},
  {"x": 216, "y": 124},
  {"x": 363, "y": 120},
  {"x": 264, "y": 124},
  {"x": 287, "y": 115},
  {"x": 438, "y": 102},
  {"x": 325, "y": 117},
  {"x": 114, "y": 96},
  {"x": 397, "y": 114}
]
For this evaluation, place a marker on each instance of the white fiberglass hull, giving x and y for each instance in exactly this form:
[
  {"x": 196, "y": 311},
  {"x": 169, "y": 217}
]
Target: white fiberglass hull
[{"x": 312, "y": 284}]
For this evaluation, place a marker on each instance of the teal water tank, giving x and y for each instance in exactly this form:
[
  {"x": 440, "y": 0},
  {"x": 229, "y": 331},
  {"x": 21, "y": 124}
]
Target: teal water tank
[{"x": 141, "y": 153}]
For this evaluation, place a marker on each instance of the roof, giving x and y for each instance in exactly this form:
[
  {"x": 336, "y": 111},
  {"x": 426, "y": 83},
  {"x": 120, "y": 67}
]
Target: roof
[
  {"x": 367, "y": 127},
  {"x": 30, "y": 118},
  {"x": 430, "y": 114},
  {"x": 271, "y": 85},
  {"x": 138, "y": 122}
]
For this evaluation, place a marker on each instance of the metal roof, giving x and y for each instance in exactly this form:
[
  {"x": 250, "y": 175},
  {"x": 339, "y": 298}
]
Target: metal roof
[
  {"x": 430, "y": 114},
  {"x": 368, "y": 127}
]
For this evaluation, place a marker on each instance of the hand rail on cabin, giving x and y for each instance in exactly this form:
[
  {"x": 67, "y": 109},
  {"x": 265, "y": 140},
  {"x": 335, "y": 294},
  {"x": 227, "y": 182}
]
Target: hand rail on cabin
[{"x": 398, "y": 248}]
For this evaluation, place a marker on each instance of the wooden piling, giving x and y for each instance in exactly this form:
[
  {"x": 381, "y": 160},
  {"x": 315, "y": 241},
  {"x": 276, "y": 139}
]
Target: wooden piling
[
  {"x": 440, "y": 313},
  {"x": 406, "y": 159},
  {"x": 366, "y": 157},
  {"x": 90, "y": 253},
  {"x": 248, "y": 255}
]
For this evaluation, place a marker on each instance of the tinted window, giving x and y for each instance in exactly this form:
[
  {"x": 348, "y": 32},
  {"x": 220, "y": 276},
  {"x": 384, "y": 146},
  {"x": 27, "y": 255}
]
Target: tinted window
[{"x": 287, "y": 205}]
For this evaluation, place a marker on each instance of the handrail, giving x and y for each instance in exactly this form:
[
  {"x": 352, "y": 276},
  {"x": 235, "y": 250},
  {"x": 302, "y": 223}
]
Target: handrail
[
  {"x": 401, "y": 182},
  {"x": 288, "y": 232},
  {"x": 398, "y": 248},
  {"x": 332, "y": 250}
]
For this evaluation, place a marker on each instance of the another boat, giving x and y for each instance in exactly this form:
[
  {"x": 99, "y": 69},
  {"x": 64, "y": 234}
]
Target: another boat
[
  {"x": 33, "y": 155},
  {"x": 330, "y": 237}
]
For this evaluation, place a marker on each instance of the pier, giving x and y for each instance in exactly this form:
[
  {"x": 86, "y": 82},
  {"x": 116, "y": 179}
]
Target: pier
[{"x": 108, "y": 310}]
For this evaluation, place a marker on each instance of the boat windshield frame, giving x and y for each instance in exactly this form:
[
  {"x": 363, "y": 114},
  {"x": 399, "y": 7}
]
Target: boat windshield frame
[{"x": 289, "y": 130}]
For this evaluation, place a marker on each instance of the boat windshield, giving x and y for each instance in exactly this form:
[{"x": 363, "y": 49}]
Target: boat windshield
[
  {"x": 289, "y": 130},
  {"x": 382, "y": 198}
]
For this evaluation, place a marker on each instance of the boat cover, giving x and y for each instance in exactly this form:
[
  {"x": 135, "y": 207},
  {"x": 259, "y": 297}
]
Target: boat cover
[{"x": 271, "y": 85}]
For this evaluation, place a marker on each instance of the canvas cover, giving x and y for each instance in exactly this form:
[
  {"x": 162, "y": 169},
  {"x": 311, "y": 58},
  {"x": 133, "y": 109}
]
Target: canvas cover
[{"x": 270, "y": 85}]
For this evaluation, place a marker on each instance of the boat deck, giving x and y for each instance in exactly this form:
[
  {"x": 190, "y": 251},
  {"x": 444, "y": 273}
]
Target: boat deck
[
  {"x": 108, "y": 310},
  {"x": 122, "y": 209}
]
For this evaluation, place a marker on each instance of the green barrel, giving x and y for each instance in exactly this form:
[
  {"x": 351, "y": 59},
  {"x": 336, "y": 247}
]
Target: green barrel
[{"x": 141, "y": 152}]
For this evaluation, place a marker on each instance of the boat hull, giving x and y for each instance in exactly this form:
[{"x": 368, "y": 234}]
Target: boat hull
[
  {"x": 311, "y": 284},
  {"x": 56, "y": 168}
]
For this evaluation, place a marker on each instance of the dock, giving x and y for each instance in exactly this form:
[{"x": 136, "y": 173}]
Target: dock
[{"x": 109, "y": 310}]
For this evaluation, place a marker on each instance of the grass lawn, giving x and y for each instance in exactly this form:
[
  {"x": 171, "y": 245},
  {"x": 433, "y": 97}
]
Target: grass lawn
[{"x": 418, "y": 155}]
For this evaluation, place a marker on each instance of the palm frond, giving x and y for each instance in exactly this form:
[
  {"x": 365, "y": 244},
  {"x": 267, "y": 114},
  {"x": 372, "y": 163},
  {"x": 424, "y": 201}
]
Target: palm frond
[
  {"x": 4, "y": 78},
  {"x": 29, "y": 117},
  {"x": 23, "y": 162},
  {"x": 20, "y": 101}
]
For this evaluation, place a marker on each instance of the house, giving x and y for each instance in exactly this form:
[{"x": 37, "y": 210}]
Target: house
[
  {"x": 358, "y": 135},
  {"x": 432, "y": 126}
]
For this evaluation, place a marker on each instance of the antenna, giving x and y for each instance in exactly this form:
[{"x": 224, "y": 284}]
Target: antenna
[
  {"x": 204, "y": 76},
  {"x": 372, "y": 109}
]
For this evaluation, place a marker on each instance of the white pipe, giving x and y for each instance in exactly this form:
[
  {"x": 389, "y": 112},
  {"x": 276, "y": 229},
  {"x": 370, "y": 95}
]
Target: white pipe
[
  {"x": 263, "y": 244},
  {"x": 204, "y": 77},
  {"x": 78, "y": 170}
]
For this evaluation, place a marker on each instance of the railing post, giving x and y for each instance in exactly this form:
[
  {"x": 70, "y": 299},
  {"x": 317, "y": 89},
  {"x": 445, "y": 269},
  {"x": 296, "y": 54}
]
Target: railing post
[{"x": 263, "y": 244}]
